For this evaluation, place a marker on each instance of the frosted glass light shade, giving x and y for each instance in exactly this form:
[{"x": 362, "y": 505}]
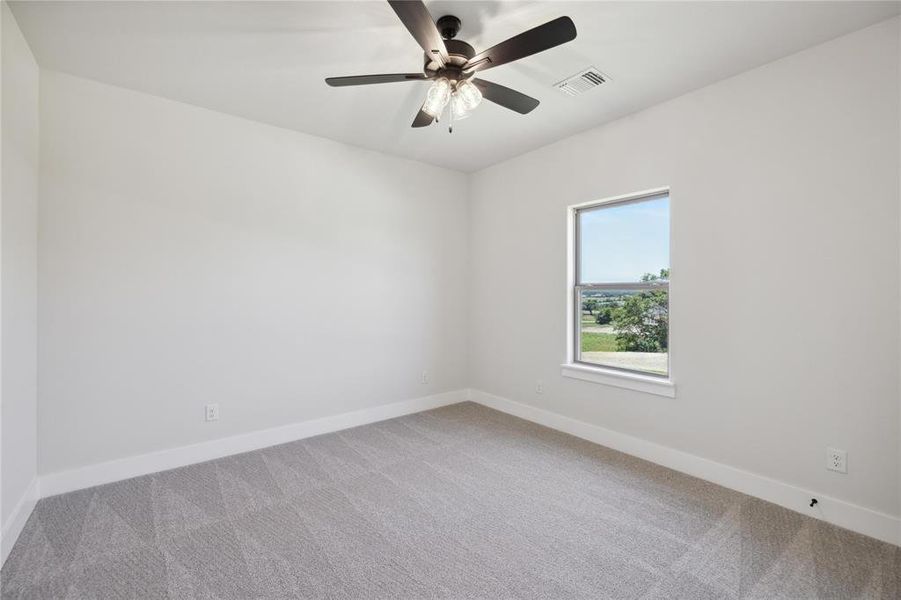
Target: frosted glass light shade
[
  {"x": 437, "y": 98},
  {"x": 458, "y": 107},
  {"x": 469, "y": 93}
]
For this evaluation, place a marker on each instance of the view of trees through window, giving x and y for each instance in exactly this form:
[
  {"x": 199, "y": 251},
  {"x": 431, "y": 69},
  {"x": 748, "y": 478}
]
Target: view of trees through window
[{"x": 624, "y": 304}]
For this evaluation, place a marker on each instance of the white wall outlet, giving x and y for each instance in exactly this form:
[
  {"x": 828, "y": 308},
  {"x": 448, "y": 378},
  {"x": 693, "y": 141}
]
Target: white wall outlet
[
  {"x": 836, "y": 460},
  {"x": 539, "y": 387},
  {"x": 424, "y": 378},
  {"x": 211, "y": 412}
]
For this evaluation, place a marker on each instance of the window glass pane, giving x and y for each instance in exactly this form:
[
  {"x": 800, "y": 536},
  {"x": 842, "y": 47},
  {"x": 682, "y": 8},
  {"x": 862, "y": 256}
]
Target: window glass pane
[
  {"x": 626, "y": 329},
  {"x": 623, "y": 243}
]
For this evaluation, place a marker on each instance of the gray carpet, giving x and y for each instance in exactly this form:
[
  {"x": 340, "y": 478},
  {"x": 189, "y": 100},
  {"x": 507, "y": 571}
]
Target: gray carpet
[{"x": 459, "y": 502}]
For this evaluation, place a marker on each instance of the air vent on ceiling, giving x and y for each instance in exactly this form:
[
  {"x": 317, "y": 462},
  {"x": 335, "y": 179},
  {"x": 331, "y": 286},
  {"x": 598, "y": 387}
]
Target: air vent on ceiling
[{"x": 582, "y": 82}]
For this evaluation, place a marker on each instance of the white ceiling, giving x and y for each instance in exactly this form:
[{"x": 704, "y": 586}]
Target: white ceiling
[{"x": 267, "y": 60}]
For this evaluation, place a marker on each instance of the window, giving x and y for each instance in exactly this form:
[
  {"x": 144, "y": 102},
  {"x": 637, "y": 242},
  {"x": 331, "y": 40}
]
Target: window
[{"x": 620, "y": 286}]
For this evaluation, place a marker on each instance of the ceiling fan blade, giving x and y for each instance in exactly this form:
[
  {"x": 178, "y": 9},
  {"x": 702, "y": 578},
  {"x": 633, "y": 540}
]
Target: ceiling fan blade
[
  {"x": 553, "y": 33},
  {"x": 423, "y": 119},
  {"x": 504, "y": 96},
  {"x": 416, "y": 18},
  {"x": 370, "y": 79}
]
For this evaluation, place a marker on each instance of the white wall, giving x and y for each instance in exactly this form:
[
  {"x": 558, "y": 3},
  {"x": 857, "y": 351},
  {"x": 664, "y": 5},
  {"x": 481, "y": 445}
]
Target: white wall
[
  {"x": 785, "y": 293},
  {"x": 18, "y": 272},
  {"x": 188, "y": 257}
]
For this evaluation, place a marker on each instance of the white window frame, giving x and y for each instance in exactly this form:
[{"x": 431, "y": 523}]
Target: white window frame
[{"x": 607, "y": 375}]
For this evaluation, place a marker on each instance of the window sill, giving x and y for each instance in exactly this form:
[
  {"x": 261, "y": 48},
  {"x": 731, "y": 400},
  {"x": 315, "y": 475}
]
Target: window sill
[{"x": 631, "y": 381}]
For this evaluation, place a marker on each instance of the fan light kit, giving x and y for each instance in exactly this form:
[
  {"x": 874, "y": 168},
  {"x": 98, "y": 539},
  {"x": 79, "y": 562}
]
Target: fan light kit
[
  {"x": 451, "y": 64},
  {"x": 464, "y": 97}
]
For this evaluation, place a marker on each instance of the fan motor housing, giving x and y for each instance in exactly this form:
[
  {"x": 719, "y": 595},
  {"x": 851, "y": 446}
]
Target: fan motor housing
[{"x": 458, "y": 53}]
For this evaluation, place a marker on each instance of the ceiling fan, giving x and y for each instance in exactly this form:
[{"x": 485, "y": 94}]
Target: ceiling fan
[{"x": 452, "y": 64}]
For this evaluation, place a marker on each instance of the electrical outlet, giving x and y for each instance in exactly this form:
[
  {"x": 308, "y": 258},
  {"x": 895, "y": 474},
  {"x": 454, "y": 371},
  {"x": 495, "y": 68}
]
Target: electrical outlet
[
  {"x": 211, "y": 412},
  {"x": 836, "y": 460},
  {"x": 539, "y": 387},
  {"x": 424, "y": 378}
]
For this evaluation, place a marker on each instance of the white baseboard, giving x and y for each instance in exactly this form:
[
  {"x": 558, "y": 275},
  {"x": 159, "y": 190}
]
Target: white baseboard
[
  {"x": 844, "y": 514},
  {"x": 13, "y": 526},
  {"x": 144, "y": 464},
  {"x": 838, "y": 512}
]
